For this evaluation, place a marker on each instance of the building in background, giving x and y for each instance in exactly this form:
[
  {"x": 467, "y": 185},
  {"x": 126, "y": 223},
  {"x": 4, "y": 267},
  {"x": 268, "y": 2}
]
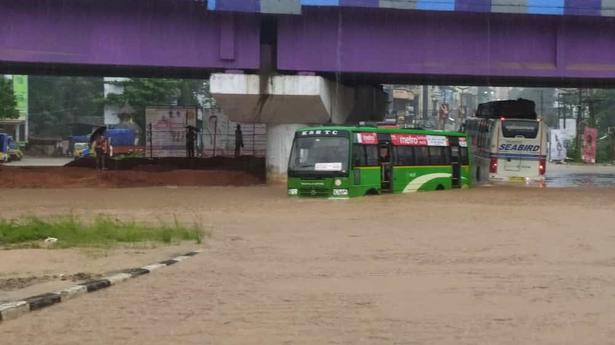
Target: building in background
[
  {"x": 219, "y": 136},
  {"x": 112, "y": 111},
  {"x": 431, "y": 107},
  {"x": 18, "y": 128}
]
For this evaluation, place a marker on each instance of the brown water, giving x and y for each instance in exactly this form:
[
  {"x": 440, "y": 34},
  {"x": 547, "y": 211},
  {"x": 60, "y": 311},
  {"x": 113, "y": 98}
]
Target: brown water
[
  {"x": 580, "y": 175},
  {"x": 481, "y": 266}
]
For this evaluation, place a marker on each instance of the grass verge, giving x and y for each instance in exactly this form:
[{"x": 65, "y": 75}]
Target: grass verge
[{"x": 103, "y": 231}]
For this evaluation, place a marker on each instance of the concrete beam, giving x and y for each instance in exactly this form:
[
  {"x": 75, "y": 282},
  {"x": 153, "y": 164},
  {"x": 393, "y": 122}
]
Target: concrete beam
[
  {"x": 287, "y": 103},
  {"x": 294, "y": 99},
  {"x": 280, "y": 99}
]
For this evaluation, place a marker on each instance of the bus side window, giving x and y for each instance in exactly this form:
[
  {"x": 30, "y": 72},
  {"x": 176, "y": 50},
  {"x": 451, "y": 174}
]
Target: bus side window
[
  {"x": 364, "y": 155},
  {"x": 437, "y": 155},
  {"x": 358, "y": 155},
  {"x": 422, "y": 155},
  {"x": 405, "y": 155},
  {"x": 371, "y": 155}
]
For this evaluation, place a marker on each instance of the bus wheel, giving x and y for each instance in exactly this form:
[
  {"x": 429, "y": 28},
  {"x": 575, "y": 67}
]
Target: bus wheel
[
  {"x": 372, "y": 192},
  {"x": 440, "y": 187}
]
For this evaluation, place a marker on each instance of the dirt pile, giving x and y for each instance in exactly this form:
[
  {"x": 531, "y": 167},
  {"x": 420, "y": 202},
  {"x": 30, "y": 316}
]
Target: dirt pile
[
  {"x": 139, "y": 172},
  {"x": 64, "y": 177}
]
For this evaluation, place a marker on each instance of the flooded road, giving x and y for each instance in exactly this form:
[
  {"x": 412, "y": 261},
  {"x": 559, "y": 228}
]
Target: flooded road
[
  {"x": 559, "y": 175},
  {"x": 40, "y": 162},
  {"x": 498, "y": 265}
]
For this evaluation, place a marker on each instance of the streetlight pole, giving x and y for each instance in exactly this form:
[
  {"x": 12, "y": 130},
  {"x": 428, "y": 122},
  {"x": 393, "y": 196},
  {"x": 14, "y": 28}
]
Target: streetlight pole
[
  {"x": 579, "y": 119},
  {"x": 425, "y": 103},
  {"x": 461, "y": 109}
]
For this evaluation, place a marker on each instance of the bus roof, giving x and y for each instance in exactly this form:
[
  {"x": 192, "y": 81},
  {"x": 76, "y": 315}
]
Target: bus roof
[{"x": 384, "y": 130}]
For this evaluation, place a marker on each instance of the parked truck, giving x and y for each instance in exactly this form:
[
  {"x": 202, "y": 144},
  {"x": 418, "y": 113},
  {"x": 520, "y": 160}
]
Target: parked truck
[{"x": 122, "y": 141}]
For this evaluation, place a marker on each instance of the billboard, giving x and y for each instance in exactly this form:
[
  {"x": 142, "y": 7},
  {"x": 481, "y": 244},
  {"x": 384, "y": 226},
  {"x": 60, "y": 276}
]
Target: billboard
[
  {"x": 590, "y": 137},
  {"x": 219, "y": 136},
  {"x": 557, "y": 144},
  {"x": 166, "y": 130}
]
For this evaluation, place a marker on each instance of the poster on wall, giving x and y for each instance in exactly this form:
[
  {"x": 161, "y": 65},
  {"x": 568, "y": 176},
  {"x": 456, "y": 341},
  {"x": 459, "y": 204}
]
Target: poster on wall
[
  {"x": 166, "y": 130},
  {"x": 590, "y": 135},
  {"x": 557, "y": 150},
  {"x": 220, "y": 136}
]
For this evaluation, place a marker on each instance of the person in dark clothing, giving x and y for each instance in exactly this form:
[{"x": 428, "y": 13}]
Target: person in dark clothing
[
  {"x": 190, "y": 140},
  {"x": 238, "y": 140},
  {"x": 101, "y": 148}
]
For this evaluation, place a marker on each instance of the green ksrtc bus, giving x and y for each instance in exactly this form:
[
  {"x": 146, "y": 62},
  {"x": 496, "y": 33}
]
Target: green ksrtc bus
[{"x": 341, "y": 162}]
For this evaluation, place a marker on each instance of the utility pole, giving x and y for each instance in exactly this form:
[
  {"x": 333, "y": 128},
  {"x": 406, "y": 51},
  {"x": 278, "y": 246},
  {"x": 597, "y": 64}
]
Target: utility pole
[
  {"x": 559, "y": 109},
  {"x": 425, "y": 103},
  {"x": 580, "y": 117},
  {"x": 542, "y": 106}
]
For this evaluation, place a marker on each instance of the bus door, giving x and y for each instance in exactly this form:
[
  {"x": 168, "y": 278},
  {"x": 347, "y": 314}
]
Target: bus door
[
  {"x": 455, "y": 162},
  {"x": 385, "y": 159}
]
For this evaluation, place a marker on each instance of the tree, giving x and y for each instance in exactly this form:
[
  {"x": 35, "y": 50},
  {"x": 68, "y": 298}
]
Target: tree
[
  {"x": 544, "y": 99},
  {"x": 8, "y": 101},
  {"x": 58, "y": 102},
  {"x": 141, "y": 93},
  {"x": 605, "y": 110}
]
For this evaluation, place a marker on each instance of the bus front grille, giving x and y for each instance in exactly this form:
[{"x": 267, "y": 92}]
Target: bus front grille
[{"x": 314, "y": 192}]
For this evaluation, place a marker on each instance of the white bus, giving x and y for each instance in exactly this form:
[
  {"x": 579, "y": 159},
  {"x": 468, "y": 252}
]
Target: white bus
[{"x": 508, "y": 149}]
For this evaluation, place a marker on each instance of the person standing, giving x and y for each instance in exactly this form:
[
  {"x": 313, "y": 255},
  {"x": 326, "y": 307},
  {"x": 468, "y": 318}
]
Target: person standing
[
  {"x": 101, "y": 148},
  {"x": 190, "y": 140},
  {"x": 238, "y": 141}
]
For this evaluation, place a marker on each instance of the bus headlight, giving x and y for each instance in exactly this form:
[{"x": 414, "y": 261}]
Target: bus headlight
[
  {"x": 340, "y": 192},
  {"x": 293, "y": 191},
  {"x": 338, "y": 182}
]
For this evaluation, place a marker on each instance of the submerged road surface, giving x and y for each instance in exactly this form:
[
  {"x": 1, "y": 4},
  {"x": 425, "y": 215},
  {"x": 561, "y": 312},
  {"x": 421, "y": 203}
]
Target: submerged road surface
[
  {"x": 482, "y": 266},
  {"x": 559, "y": 175},
  {"x": 40, "y": 162}
]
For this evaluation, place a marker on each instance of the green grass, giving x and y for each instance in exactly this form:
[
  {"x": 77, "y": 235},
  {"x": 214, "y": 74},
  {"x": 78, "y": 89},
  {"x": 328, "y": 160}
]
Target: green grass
[{"x": 100, "y": 232}]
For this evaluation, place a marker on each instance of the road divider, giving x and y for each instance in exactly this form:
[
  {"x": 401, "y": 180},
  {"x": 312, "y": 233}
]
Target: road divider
[{"x": 13, "y": 310}]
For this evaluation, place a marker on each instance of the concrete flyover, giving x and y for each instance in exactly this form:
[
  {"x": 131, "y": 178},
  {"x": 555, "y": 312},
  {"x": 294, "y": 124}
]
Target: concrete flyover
[
  {"x": 102, "y": 37},
  {"x": 291, "y": 62},
  {"x": 288, "y": 102},
  {"x": 547, "y": 42}
]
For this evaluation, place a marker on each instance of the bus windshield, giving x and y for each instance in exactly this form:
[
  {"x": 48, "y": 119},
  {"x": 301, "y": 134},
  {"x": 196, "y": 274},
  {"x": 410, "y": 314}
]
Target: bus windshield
[
  {"x": 319, "y": 154},
  {"x": 520, "y": 128}
]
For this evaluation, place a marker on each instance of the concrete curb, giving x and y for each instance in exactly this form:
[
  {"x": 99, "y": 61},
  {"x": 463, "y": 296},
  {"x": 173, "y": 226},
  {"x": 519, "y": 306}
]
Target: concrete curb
[{"x": 13, "y": 310}]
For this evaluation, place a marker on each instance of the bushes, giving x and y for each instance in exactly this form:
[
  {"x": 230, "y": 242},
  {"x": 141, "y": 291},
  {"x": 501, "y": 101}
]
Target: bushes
[{"x": 102, "y": 231}]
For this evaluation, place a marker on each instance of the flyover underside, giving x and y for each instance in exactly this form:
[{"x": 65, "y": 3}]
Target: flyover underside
[
  {"x": 286, "y": 102},
  {"x": 449, "y": 46},
  {"x": 350, "y": 50},
  {"x": 112, "y": 35},
  {"x": 353, "y": 45}
]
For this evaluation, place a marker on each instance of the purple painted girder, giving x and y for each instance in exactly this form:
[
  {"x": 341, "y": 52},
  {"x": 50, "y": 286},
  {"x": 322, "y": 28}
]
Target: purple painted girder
[
  {"x": 180, "y": 34},
  {"x": 429, "y": 43}
]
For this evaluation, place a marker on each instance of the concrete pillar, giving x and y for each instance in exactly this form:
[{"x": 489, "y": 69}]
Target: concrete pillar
[
  {"x": 287, "y": 98},
  {"x": 282, "y": 101},
  {"x": 18, "y": 132},
  {"x": 279, "y": 142}
]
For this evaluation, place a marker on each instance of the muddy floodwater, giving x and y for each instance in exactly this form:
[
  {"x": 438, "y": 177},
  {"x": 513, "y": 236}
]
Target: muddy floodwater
[
  {"x": 499, "y": 265},
  {"x": 579, "y": 175}
]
